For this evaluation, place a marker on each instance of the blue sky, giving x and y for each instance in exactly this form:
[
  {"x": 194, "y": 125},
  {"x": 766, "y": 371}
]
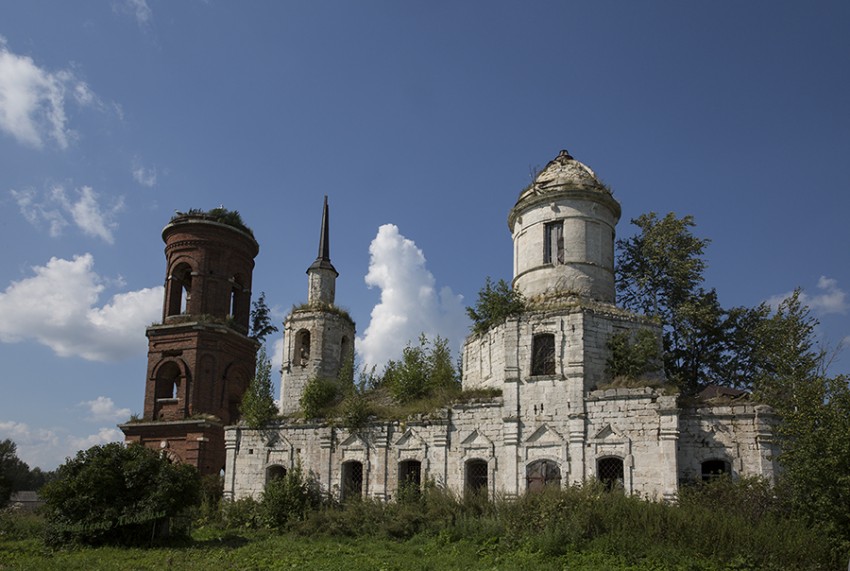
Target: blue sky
[{"x": 421, "y": 121}]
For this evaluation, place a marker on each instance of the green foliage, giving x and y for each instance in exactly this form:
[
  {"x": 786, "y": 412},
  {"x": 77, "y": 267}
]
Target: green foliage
[
  {"x": 319, "y": 393},
  {"x": 116, "y": 494},
  {"x": 496, "y": 302},
  {"x": 15, "y": 474},
  {"x": 261, "y": 323},
  {"x": 660, "y": 274},
  {"x": 634, "y": 355},
  {"x": 326, "y": 307},
  {"x": 221, "y": 215},
  {"x": 290, "y": 498},
  {"x": 258, "y": 407},
  {"x": 423, "y": 369}
]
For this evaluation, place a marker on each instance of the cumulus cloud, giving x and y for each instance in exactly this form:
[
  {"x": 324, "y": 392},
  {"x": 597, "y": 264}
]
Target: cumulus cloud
[
  {"x": 103, "y": 409},
  {"x": 829, "y": 298},
  {"x": 57, "y": 308},
  {"x": 83, "y": 206},
  {"x": 410, "y": 302},
  {"x": 32, "y": 100},
  {"x": 143, "y": 175},
  {"x": 47, "y": 448}
]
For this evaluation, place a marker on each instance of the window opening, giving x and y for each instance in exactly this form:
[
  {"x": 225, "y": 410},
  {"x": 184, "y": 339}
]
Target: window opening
[
  {"x": 352, "y": 480},
  {"x": 476, "y": 477},
  {"x": 713, "y": 469},
  {"x": 543, "y": 354},
  {"x": 542, "y": 473},
  {"x": 302, "y": 350},
  {"x": 409, "y": 478},
  {"x": 275, "y": 473},
  {"x": 553, "y": 243},
  {"x": 179, "y": 290},
  {"x": 610, "y": 473}
]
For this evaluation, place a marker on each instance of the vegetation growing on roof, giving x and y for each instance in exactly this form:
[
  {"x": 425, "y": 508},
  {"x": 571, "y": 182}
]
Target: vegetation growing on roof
[{"x": 220, "y": 215}]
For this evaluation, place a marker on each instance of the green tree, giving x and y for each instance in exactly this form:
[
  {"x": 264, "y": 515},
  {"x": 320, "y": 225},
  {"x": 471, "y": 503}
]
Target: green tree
[
  {"x": 634, "y": 355},
  {"x": 258, "y": 407},
  {"x": 422, "y": 370},
  {"x": 261, "y": 323},
  {"x": 495, "y": 303},
  {"x": 117, "y": 495},
  {"x": 660, "y": 274}
]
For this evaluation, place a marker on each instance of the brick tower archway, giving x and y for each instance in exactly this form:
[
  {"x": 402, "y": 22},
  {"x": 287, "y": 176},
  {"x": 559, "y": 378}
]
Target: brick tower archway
[{"x": 200, "y": 358}]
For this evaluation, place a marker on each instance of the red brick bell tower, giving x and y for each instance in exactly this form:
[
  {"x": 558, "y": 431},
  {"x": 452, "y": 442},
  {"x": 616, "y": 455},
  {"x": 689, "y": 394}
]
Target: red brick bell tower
[{"x": 200, "y": 358}]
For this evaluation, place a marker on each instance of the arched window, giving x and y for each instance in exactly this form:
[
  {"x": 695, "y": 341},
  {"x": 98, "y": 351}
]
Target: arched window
[
  {"x": 274, "y": 473},
  {"x": 167, "y": 381},
  {"x": 409, "y": 477},
  {"x": 179, "y": 290},
  {"x": 475, "y": 479},
  {"x": 302, "y": 348},
  {"x": 352, "y": 480},
  {"x": 609, "y": 471},
  {"x": 712, "y": 469},
  {"x": 543, "y": 354},
  {"x": 542, "y": 473}
]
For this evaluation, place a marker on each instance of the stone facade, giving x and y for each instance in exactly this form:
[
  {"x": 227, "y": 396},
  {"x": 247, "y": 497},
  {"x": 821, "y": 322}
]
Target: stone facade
[{"x": 557, "y": 421}]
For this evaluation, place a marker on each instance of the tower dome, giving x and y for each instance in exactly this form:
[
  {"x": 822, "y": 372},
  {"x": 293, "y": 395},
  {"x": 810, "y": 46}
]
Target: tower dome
[{"x": 563, "y": 227}]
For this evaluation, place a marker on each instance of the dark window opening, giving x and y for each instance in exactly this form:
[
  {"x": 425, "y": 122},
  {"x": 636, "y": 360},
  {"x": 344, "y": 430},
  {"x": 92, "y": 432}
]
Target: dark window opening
[
  {"x": 168, "y": 381},
  {"x": 553, "y": 243},
  {"x": 179, "y": 290},
  {"x": 542, "y": 473},
  {"x": 713, "y": 469},
  {"x": 302, "y": 348},
  {"x": 543, "y": 354},
  {"x": 409, "y": 478},
  {"x": 274, "y": 473},
  {"x": 352, "y": 480},
  {"x": 476, "y": 477},
  {"x": 610, "y": 473}
]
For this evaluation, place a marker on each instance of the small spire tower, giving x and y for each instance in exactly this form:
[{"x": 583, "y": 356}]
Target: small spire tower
[{"x": 318, "y": 336}]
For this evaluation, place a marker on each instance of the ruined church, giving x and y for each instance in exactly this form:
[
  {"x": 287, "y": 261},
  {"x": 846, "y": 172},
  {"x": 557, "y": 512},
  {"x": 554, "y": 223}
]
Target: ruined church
[{"x": 557, "y": 420}]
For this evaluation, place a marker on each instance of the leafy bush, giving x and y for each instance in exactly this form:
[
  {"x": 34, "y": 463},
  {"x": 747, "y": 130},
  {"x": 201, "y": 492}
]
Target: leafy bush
[
  {"x": 496, "y": 302},
  {"x": 319, "y": 393},
  {"x": 422, "y": 370},
  {"x": 118, "y": 495},
  {"x": 290, "y": 498},
  {"x": 634, "y": 355}
]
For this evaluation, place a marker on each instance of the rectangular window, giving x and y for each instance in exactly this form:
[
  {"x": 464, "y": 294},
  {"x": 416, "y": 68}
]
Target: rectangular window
[
  {"x": 543, "y": 354},
  {"x": 553, "y": 243}
]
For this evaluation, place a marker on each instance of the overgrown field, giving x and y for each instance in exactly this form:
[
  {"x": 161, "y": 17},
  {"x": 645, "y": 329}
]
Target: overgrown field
[{"x": 723, "y": 526}]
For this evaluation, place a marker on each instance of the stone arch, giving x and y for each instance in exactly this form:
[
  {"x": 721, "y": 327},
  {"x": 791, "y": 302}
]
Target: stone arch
[
  {"x": 179, "y": 289},
  {"x": 541, "y": 474},
  {"x": 302, "y": 347},
  {"x": 274, "y": 472}
]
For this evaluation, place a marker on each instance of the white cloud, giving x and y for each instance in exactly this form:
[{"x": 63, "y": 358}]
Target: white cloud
[
  {"x": 103, "y": 409},
  {"x": 410, "y": 303},
  {"x": 54, "y": 207},
  {"x": 829, "y": 300},
  {"x": 56, "y": 307},
  {"x": 32, "y": 100},
  {"x": 144, "y": 176},
  {"x": 138, "y": 9},
  {"x": 47, "y": 448},
  {"x": 276, "y": 356}
]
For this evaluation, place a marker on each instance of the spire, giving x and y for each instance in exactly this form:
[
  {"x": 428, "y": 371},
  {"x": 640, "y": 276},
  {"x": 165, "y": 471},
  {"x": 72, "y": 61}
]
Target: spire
[{"x": 323, "y": 260}]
